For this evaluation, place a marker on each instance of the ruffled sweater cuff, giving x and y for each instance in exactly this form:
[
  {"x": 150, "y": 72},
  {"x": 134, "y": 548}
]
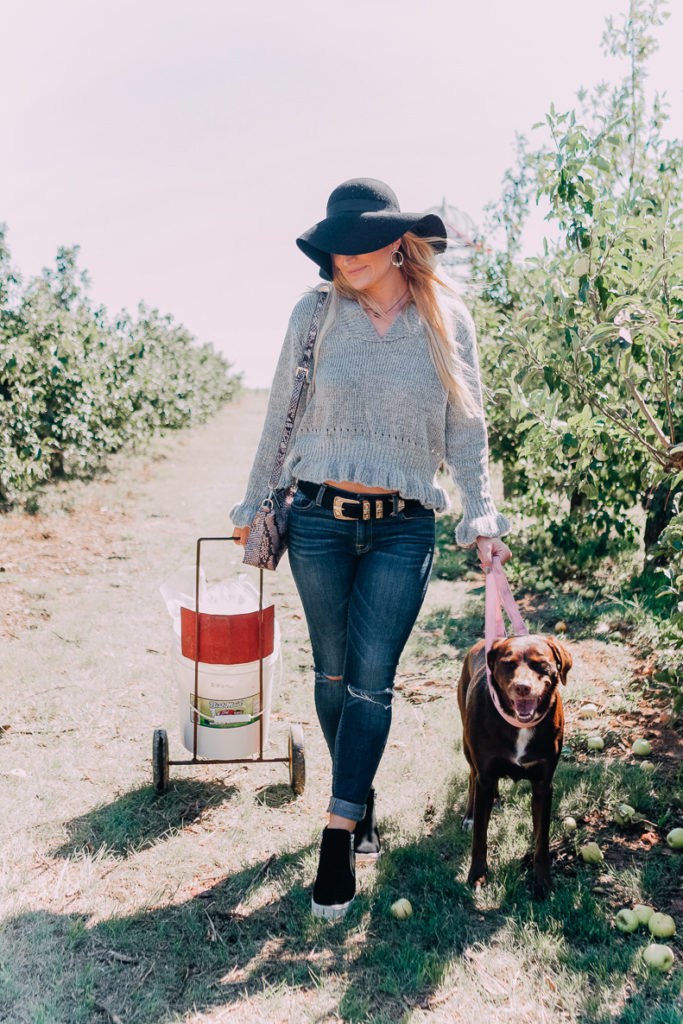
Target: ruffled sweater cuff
[
  {"x": 243, "y": 514},
  {"x": 481, "y": 521}
]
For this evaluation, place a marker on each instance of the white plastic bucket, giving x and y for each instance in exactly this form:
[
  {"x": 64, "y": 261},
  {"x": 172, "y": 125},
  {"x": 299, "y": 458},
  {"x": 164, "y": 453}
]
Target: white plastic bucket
[{"x": 228, "y": 708}]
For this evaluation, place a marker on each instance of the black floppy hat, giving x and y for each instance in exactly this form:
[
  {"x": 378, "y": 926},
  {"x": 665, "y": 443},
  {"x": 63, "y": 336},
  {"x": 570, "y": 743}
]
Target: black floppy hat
[{"x": 363, "y": 215}]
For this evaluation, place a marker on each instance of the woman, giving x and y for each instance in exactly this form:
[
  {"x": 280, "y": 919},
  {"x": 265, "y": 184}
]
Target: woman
[{"x": 394, "y": 392}]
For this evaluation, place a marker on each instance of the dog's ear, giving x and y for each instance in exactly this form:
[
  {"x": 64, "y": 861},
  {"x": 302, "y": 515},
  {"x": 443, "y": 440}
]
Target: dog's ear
[
  {"x": 562, "y": 657},
  {"x": 492, "y": 656}
]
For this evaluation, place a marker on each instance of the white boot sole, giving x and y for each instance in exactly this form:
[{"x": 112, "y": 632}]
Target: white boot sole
[
  {"x": 367, "y": 858},
  {"x": 330, "y": 911}
]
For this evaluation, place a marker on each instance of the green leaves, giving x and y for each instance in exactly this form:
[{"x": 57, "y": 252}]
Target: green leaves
[
  {"x": 586, "y": 368},
  {"x": 74, "y": 386}
]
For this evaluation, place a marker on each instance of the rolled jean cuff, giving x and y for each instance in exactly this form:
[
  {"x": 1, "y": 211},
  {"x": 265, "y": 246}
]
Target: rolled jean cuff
[{"x": 345, "y": 809}]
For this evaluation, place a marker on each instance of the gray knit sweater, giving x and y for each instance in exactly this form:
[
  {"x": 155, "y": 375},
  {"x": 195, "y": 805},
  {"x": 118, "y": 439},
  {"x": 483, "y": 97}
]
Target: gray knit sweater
[{"x": 377, "y": 414}]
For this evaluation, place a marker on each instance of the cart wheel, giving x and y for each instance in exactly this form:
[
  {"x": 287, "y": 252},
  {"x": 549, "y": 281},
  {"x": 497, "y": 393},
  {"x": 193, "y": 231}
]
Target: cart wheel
[
  {"x": 297, "y": 760},
  {"x": 160, "y": 760}
]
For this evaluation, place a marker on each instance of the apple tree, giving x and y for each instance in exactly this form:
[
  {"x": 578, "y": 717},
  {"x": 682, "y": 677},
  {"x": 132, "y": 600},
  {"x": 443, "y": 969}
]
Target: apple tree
[{"x": 582, "y": 343}]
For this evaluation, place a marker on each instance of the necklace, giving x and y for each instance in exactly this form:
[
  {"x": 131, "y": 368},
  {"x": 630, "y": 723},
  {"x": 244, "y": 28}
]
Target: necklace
[{"x": 385, "y": 312}]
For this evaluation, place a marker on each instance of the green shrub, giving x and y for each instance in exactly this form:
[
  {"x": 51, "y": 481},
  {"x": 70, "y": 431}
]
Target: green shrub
[{"x": 75, "y": 386}]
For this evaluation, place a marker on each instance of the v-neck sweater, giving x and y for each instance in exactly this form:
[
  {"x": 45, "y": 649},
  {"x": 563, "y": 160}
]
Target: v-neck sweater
[{"x": 377, "y": 414}]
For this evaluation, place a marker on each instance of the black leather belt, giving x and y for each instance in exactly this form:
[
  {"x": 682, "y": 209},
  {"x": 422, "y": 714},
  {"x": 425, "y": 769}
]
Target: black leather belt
[{"x": 347, "y": 505}]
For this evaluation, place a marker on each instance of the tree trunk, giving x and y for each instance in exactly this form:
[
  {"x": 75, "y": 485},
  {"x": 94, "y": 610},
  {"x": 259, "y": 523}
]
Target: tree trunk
[{"x": 661, "y": 508}]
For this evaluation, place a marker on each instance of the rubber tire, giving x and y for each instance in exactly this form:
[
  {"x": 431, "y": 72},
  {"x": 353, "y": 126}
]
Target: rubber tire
[
  {"x": 297, "y": 759},
  {"x": 160, "y": 760}
]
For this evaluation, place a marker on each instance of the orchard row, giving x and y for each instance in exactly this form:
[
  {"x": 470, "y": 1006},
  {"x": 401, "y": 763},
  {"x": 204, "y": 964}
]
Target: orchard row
[{"x": 76, "y": 385}]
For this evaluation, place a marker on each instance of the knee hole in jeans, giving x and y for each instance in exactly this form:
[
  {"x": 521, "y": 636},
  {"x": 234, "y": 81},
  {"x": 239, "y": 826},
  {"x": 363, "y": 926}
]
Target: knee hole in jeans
[{"x": 379, "y": 698}]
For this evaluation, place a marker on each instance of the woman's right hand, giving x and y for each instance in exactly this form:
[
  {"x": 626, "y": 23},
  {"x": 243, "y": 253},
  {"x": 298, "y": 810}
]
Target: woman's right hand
[{"x": 240, "y": 534}]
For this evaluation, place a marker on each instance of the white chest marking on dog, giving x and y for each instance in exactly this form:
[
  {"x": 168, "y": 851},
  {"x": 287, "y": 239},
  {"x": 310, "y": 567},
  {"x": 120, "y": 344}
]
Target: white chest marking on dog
[{"x": 523, "y": 738}]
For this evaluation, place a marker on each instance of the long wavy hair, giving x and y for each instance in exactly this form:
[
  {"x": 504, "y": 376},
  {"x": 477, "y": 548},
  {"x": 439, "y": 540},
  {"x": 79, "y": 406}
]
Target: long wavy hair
[{"x": 420, "y": 272}]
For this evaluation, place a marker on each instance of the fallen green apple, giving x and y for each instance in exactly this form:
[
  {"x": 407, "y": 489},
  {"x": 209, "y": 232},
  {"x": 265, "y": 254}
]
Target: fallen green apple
[
  {"x": 624, "y": 814},
  {"x": 592, "y": 854},
  {"x": 569, "y": 823},
  {"x": 626, "y": 921},
  {"x": 643, "y": 912},
  {"x": 641, "y": 748},
  {"x": 561, "y": 627},
  {"x": 659, "y": 957},
  {"x": 647, "y": 766},
  {"x": 401, "y": 909},
  {"x": 595, "y": 743},
  {"x": 662, "y": 926},
  {"x": 675, "y": 839},
  {"x": 588, "y": 710}
]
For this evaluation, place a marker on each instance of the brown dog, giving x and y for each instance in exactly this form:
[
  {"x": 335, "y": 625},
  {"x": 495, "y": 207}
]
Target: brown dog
[{"x": 525, "y": 673}]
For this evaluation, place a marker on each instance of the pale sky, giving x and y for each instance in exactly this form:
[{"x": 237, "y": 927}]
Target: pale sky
[{"x": 184, "y": 145}]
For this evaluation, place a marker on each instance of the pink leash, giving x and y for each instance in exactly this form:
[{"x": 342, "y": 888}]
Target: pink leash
[{"x": 498, "y": 592}]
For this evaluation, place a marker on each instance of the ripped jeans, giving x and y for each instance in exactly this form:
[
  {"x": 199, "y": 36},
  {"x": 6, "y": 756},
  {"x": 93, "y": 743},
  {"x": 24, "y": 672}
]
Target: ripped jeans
[{"x": 361, "y": 585}]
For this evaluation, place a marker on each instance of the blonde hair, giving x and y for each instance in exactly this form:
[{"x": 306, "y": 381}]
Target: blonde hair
[{"x": 419, "y": 270}]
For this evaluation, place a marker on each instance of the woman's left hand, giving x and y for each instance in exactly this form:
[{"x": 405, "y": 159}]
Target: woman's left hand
[{"x": 489, "y": 547}]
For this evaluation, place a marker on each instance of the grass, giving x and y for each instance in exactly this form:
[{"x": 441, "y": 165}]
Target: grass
[{"x": 118, "y": 904}]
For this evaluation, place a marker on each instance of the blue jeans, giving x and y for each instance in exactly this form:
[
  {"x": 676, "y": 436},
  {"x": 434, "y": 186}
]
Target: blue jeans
[{"x": 361, "y": 585}]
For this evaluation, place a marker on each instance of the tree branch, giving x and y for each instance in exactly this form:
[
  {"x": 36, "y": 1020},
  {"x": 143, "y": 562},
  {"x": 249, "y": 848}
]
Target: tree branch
[
  {"x": 592, "y": 399},
  {"x": 646, "y": 412}
]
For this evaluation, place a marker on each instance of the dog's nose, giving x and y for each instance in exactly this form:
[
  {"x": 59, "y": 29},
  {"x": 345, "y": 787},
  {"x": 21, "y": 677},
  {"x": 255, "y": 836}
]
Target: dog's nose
[{"x": 522, "y": 689}]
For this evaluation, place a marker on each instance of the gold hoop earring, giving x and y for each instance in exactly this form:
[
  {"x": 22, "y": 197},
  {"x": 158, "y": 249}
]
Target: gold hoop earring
[{"x": 397, "y": 258}]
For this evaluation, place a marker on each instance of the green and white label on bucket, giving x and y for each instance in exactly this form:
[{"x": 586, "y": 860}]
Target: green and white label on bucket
[{"x": 226, "y": 714}]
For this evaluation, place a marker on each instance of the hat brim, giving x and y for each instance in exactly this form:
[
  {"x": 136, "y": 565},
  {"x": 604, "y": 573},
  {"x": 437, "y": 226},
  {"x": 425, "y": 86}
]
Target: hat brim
[{"x": 351, "y": 234}]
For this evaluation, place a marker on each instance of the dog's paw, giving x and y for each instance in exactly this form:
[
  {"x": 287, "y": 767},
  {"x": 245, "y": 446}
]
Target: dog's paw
[
  {"x": 477, "y": 877},
  {"x": 467, "y": 824}
]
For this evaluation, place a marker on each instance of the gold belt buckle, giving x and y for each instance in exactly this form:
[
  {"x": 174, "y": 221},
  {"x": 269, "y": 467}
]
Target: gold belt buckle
[{"x": 337, "y": 507}]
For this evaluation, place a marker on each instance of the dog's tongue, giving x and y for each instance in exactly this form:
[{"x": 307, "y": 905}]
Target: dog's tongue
[{"x": 525, "y": 708}]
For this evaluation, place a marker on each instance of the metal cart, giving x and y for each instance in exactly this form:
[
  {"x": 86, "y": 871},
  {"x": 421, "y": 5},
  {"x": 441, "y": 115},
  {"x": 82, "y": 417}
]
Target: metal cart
[{"x": 160, "y": 753}]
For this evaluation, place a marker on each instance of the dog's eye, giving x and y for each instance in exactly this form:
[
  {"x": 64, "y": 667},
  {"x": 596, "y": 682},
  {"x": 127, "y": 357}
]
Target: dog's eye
[{"x": 542, "y": 667}]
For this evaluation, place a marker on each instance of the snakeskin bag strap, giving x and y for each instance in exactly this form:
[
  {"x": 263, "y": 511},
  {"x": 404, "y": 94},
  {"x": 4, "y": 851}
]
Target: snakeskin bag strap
[{"x": 267, "y": 540}]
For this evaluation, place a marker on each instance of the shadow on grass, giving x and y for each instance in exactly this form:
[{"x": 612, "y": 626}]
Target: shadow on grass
[
  {"x": 214, "y": 951},
  {"x": 140, "y": 818},
  {"x": 461, "y": 632},
  {"x": 450, "y": 561},
  {"x": 276, "y": 795},
  {"x": 541, "y": 613},
  {"x": 253, "y": 934}
]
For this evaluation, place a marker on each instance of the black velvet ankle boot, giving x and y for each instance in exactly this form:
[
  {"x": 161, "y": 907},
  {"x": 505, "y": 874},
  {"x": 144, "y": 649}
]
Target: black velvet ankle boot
[
  {"x": 366, "y": 841},
  {"x": 335, "y": 883}
]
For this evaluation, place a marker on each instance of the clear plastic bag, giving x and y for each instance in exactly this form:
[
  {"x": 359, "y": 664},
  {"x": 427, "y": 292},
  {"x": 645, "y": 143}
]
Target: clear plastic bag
[{"x": 227, "y": 597}]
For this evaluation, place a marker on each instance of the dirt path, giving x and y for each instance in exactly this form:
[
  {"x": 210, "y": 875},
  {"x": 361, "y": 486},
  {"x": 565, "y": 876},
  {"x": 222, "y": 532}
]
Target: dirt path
[
  {"x": 87, "y": 678},
  {"x": 86, "y": 632}
]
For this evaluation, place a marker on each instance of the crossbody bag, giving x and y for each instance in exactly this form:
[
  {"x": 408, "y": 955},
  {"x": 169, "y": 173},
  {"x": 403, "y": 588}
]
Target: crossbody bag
[{"x": 268, "y": 533}]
